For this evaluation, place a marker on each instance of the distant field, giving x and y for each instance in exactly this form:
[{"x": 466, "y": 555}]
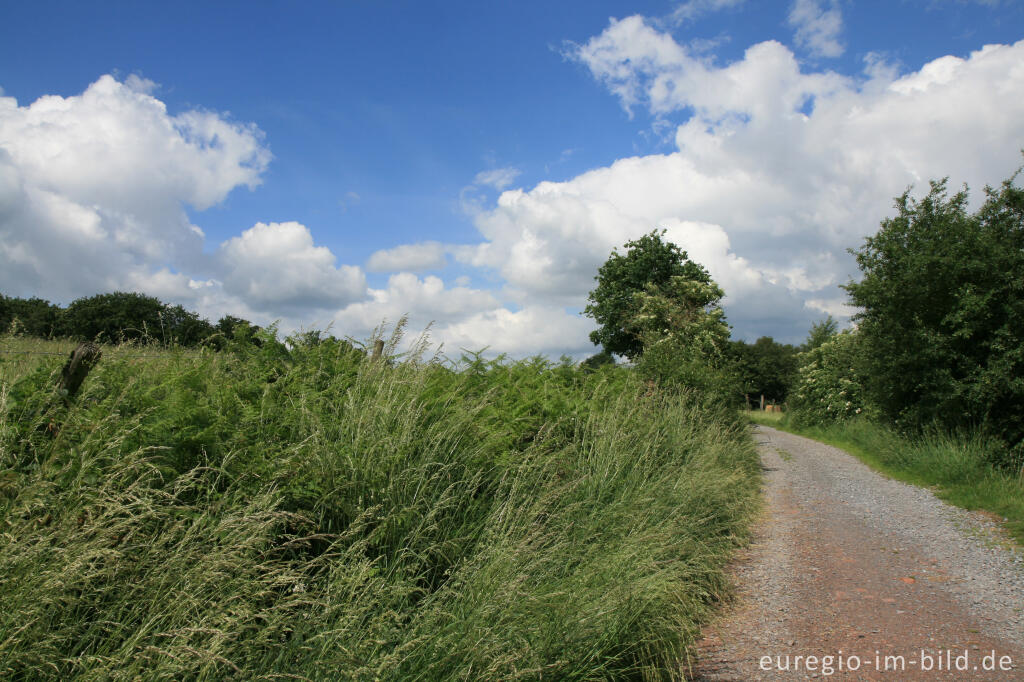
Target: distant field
[
  {"x": 22, "y": 355},
  {"x": 761, "y": 417},
  {"x": 307, "y": 513}
]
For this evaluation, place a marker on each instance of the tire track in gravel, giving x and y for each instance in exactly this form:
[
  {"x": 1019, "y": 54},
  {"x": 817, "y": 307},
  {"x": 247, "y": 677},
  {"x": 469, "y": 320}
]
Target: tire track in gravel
[{"x": 846, "y": 560}]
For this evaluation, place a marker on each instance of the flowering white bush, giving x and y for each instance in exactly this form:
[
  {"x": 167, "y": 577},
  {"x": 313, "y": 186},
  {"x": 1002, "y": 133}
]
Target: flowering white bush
[
  {"x": 828, "y": 386},
  {"x": 684, "y": 337}
]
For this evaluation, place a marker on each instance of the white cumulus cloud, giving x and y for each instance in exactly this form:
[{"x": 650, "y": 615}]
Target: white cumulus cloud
[
  {"x": 777, "y": 170},
  {"x": 817, "y": 28},
  {"x": 93, "y": 191},
  {"x": 276, "y": 266},
  {"x": 93, "y": 187},
  {"x": 461, "y": 317},
  {"x": 408, "y": 258},
  {"x": 422, "y": 300},
  {"x": 532, "y": 330}
]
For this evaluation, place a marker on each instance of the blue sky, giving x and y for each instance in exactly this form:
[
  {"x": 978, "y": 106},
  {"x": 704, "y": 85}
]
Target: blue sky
[{"x": 473, "y": 163}]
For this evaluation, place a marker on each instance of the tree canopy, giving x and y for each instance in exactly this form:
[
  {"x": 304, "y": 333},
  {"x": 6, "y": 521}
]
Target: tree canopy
[
  {"x": 31, "y": 316},
  {"x": 765, "y": 367},
  {"x": 820, "y": 333},
  {"x": 116, "y": 316},
  {"x": 119, "y": 316},
  {"x": 650, "y": 270},
  {"x": 942, "y": 311}
]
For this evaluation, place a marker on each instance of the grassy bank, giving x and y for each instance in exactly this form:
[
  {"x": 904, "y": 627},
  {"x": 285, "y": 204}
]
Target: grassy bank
[
  {"x": 955, "y": 466},
  {"x": 307, "y": 513}
]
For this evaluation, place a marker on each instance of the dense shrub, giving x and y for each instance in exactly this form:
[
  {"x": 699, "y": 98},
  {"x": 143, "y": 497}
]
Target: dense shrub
[
  {"x": 115, "y": 317},
  {"x": 830, "y": 384},
  {"x": 942, "y": 313}
]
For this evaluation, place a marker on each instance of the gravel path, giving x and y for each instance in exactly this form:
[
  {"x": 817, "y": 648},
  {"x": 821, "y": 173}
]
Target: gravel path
[{"x": 851, "y": 565}]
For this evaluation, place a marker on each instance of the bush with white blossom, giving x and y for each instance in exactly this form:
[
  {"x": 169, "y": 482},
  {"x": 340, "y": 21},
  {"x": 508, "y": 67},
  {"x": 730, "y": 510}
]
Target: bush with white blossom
[{"x": 829, "y": 386}]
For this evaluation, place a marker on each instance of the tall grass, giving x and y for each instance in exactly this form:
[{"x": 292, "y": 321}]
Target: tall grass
[
  {"x": 21, "y": 355},
  {"x": 958, "y": 466},
  {"x": 305, "y": 513}
]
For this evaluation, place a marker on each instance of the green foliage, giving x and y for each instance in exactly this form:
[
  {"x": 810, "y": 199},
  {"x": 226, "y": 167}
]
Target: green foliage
[
  {"x": 820, "y": 333},
  {"x": 685, "y": 339},
  {"x": 32, "y": 316},
  {"x": 234, "y": 331},
  {"x": 122, "y": 316},
  {"x": 942, "y": 312},
  {"x": 829, "y": 383},
  {"x": 597, "y": 360},
  {"x": 764, "y": 367},
  {"x": 294, "y": 509},
  {"x": 648, "y": 261},
  {"x": 115, "y": 317},
  {"x": 671, "y": 367},
  {"x": 676, "y": 322},
  {"x": 119, "y": 317},
  {"x": 229, "y": 325},
  {"x": 681, "y": 311},
  {"x": 184, "y": 327}
]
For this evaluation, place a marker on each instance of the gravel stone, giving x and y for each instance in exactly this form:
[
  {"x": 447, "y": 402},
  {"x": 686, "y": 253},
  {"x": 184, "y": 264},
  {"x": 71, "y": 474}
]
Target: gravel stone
[{"x": 846, "y": 560}]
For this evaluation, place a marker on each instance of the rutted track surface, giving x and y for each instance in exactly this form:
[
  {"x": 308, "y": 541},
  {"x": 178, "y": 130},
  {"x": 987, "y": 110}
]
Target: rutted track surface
[{"x": 846, "y": 560}]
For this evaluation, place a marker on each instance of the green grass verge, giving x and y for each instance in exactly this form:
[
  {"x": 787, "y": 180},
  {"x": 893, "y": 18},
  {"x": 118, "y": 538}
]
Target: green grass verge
[
  {"x": 766, "y": 418},
  {"x": 306, "y": 513},
  {"x": 955, "y": 467}
]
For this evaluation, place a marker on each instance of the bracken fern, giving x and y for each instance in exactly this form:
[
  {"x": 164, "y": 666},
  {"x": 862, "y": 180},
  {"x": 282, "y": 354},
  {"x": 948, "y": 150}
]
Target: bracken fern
[{"x": 298, "y": 511}]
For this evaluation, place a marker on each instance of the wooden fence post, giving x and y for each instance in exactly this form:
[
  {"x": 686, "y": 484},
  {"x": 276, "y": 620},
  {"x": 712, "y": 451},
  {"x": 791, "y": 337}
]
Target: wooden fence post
[
  {"x": 83, "y": 358},
  {"x": 378, "y": 350}
]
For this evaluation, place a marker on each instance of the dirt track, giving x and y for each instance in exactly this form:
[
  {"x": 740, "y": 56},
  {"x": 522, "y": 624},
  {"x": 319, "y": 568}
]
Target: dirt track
[{"x": 871, "y": 572}]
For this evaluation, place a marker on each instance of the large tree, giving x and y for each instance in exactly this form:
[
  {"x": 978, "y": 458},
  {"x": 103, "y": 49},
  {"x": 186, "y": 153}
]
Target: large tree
[
  {"x": 627, "y": 281},
  {"x": 942, "y": 311}
]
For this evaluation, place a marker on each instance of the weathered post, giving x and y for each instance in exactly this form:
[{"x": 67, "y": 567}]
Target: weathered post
[
  {"x": 378, "y": 350},
  {"x": 82, "y": 360},
  {"x": 762, "y": 402}
]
